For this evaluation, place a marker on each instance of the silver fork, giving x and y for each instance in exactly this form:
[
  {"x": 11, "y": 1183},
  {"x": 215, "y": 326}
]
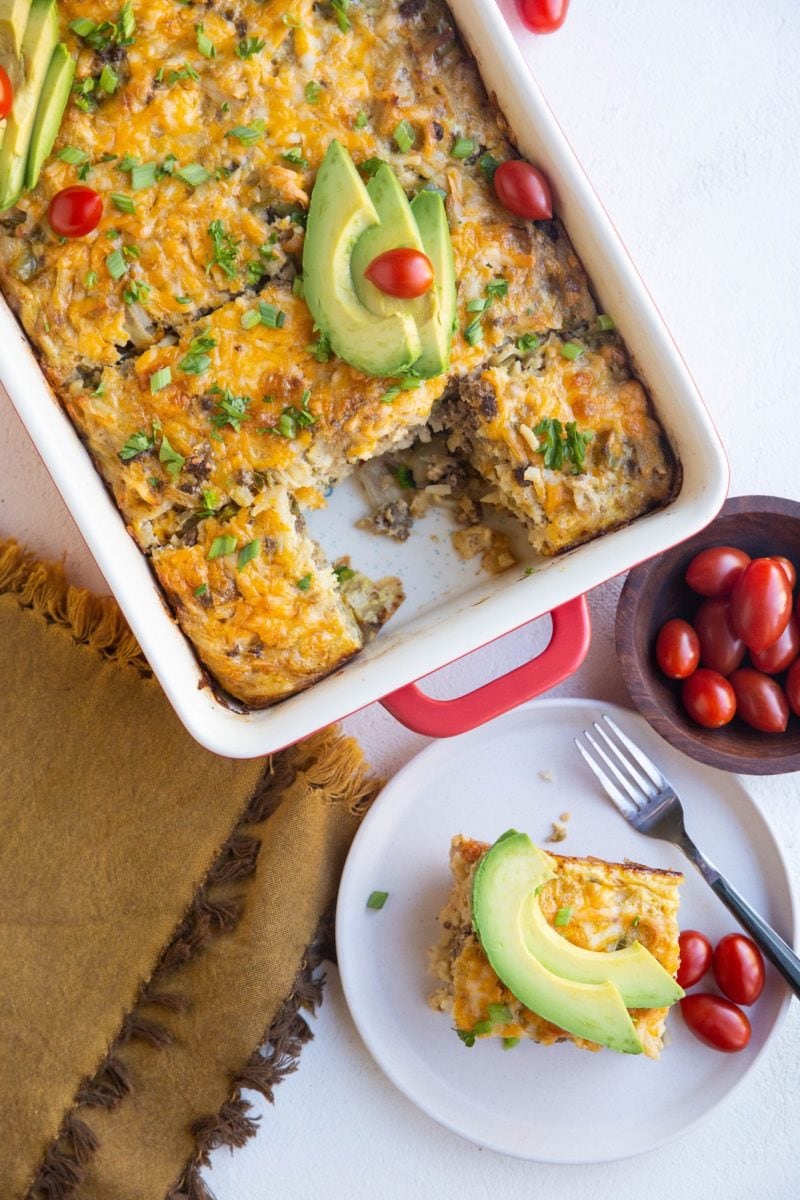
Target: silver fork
[{"x": 648, "y": 801}]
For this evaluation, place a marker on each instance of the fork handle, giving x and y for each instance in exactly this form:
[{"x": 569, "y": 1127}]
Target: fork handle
[{"x": 779, "y": 953}]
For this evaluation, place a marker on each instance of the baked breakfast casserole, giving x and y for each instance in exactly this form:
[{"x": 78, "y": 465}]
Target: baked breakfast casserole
[
  {"x": 188, "y": 337},
  {"x": 613, "y": 909}
]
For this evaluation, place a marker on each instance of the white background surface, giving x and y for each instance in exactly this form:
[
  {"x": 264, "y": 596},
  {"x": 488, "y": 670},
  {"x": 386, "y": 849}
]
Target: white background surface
[{"x": 686, "y": 119}]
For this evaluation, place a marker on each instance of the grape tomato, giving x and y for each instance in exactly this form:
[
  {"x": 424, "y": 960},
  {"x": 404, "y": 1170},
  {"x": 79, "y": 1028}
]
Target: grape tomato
[
  {"x": 708, "y": 698},
  {"x": 543, "y": 16},
  {"x": 696, "y": 957},
  {"x": 760, "y": 702},
  {"x": 523, "y": 190},
  {"x": 677, "y": 649},
  {"x": 739, "y": 968},
  {"x": 716, "y": 1021},
  {"x": 6, "y": 94},
  {"x": 402, "y": 273},
  {"x": 714, "y": 571},
  {"x": 720, "y": 648},
  {"x": 792, "y": 687},
  {"x": 780, "y": 654},
  {"x": 75, "y": 211},
  {"x": 761, "y": 604}
]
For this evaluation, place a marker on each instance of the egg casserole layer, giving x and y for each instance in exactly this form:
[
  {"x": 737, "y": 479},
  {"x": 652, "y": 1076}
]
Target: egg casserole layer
[
  {"x": 611, "y": 905},
  {"x": 177, "y": 339}
]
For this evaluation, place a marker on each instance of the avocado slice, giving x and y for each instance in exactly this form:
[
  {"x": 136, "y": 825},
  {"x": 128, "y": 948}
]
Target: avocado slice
[
  {"x": 38, "y": 43},
  {"x": 397, "y": 229},
  {"x": 52, "y": 102},
  {"x": 640, "y": 978},
  {"x": 13, "y": 20},
  {"x": 340, "y": 211},
  {"x": 437, "y": 336},
  {"x": 506, "y": 876}
]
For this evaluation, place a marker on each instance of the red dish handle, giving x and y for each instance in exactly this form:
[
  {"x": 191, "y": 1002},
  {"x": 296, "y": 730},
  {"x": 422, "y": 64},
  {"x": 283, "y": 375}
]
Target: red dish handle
[{"x": 564, "y": 653}]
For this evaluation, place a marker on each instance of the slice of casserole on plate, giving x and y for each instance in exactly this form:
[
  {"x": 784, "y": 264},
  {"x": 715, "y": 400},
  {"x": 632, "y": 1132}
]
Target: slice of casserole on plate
[{"x": 597, "y": 945}]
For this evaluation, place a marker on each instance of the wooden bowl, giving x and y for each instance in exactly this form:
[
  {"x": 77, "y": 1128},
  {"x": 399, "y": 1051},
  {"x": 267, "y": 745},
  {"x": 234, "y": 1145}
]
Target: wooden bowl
[{"x": 656, "y": 591}]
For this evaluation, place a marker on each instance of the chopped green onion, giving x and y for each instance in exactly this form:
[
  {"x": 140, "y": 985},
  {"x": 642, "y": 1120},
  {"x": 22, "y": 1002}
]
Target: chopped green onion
[
  {"x": 250, "y": 46},
  {"x": 313, "y": 91},
  {"x": 109, "y": 80},
  {"x": 563, "y": 916},
  {"x": 225, "y": 544},
  {"x": 605, "y": 322},
  {"x": 343, "y": 572},
  {"x": 488, "y": 164},
  {"x": 510, "y": 1042},
  {"x": 172, "y": 460},
  {"x": 225, "y": 250},
  {"x": 499, "y": 1014},
  {"x": 473, "y": 333},
  {"x": 527, "y": 342},
  {"x": 201, "y": 590},
  {"x": 159, "y": 379},
  {"x": 82, "y": 26},
  {"x": 377, "y": 899},
  {"x": 292, "y": 22},
  {"x": 249, "y": 319},
  {"x": 247, "y": 553},
  {"x": 404, "y": 136},
  {"x": 183, "y": 299},
  {"x": 304, "y": 584},
  {"x": 478, "y": 305},
  {"x": 361, "y": 120},
  {"x": 90, "y": 280},
  {"x": 340, "y": 8},
  {"x": 320, "y": 349},
  {"x": 115, "y": 261},
  {"x": 123, "y": 204},
  {"x": 193, "y": 174},
  {"x": 143, "y": 176},
  {"x": 248, "y": 135},
  {"x": 463, "y": 147},
  {"x": 294, "y": 155},
  {"x": 370, "y": 166},
  {"x": 571, "y": 350},
  {"x": 204, "y": 43},
  {"x": 272, "y": 317},
  {"x": 297, "y": 285},
  {"x": 73, "y": 156}
]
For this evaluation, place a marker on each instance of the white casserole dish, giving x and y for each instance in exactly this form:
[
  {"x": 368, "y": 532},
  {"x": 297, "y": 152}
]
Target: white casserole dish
[{"x": 450, "y": 609}]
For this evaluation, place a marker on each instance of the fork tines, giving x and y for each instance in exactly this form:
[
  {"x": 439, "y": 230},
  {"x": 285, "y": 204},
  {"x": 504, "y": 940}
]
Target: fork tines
[{"x": 619, "y": 759}]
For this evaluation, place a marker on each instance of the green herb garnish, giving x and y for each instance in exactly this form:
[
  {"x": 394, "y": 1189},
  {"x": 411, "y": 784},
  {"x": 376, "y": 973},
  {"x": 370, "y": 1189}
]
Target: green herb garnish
[
  {"x": 123, "y": 204},
  {"x": 90, "y": 280},
  {"x": 160, "y": 379},
  {"x": 313, "y": 91},
  {"x": 247, "y": 553},
  {"x": 73, "y": 156},
  {"x": 143, "y": 176},
  {"x": 250, "y": 46},
  {"x": 370, "y": 166},
  {"x": 563, "y": 917},
  {"x": 463, "y": 147},
  {"x": 272, "y": 317},
  {"x": 343, "y": 572},
  {"x": 248, "y": 135},
  {"x": 196, "y": 361},
  {"x": 136, "y": 292},
  {"x": 304, "y": 584},
  {"x": 510, "y": 1042},
  {"x": 231, "y": 410},
  {"x": 527, "y": 342},
  {"x": 605, "y": 322},
  {"x": 340, "y": 8},
  {"x": 138, "y": 443},
  {"x": 204, "y": 43},
  {"x": 194, "y": 174},
  {"x": 294, "y": 155},
  {"x": 559, "y": 444},
  {"x": 172, "y": 460},
  {"x": 320, "y": 349},
  {"x": 201, "y": 590},
  {"x": 404, "y": 136},
  {"x": 225, "y": 544},
  {"x": 404, "y": 477},
  {"x": 115, "y": 261},
  {"x": 226, "y": 248},
  {"x": 497, "y": 288},
  {"x": 377, "y": 899},
  {"x": 109, "y": 80},
  {"x": 488, "y": 164},
  {"x": 361, "y": 120},
  {"x": 571, "y": 350}
]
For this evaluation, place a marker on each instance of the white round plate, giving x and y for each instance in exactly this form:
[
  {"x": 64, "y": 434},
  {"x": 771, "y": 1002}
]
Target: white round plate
[{"x": 558, "y": 1103}]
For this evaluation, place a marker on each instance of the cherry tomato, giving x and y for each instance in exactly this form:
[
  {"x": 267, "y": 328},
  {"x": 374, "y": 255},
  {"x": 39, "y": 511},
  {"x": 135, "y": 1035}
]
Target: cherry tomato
[
  {"x": 739, "y": 968},
  {"x": 760, "y": 701},
  {"x": 791, "y": 573},
  {"x": 716, "y": 1021},
  {"x": 780, "y": 654},
  {"x": 714, "y": 571},
  {"x": 403, "y": 273},
  {"x": 75, "y": 211},
  {"x": 792, "y": 687},
  {"x": 695, "y": 957},
  {"x": 720, "y": 649},
  {"x": 543, "y": 16},
  {"x": 761, "y": 603},
  {"x": 6, "y": 94},
  {"x": 708, "y": 698},
  {"x": 677, "y": 649},
  {"x": 523, "y": 190}
]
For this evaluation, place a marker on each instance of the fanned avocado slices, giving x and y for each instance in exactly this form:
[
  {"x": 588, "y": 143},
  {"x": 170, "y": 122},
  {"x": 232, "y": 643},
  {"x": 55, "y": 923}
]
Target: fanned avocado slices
[
  {"x": 50, "y": 110},
  {"x": 38, "y": 44}
]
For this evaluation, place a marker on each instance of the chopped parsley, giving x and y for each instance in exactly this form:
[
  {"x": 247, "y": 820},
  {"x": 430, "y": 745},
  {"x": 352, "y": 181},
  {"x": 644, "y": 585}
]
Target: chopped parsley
[
  {"x": 303, "y": 584},
  {"x": 230, "y": 410},
  {"x": 560, "y": 444},
  {"x": 370, "y": 166},
  {"x": 404, "y": 477},
  {"x": 343, "y": 572},
  {"x": 226, "y": 249},
  {"x": 136, "y": 292},
  {"x": 172, "y": 460},
  {"x": 248, "y": 553},
  {"x": 497, "y": 287},
  {"x": 377, "y": 899},
  {"x": 404, "y": 136},
  {"x": 250, "y": 46},
  {"x": 196, "y": 360},
  {"x": 527, "y": 342},
  {"x": 467, "y": 1036},
  {"x": 225, "y": 544},
  {"x": 138, "y": 443},
  {"x": 320, "y": 349},
  {"x": 185, "y": 72},
  {"x": 201, "y": 590},
  {"x": 293, "y": 418},
  {"x": 294, "y": 155},
  {"x": 100, "y": 35},
  {"x": 488, "y": 164}
]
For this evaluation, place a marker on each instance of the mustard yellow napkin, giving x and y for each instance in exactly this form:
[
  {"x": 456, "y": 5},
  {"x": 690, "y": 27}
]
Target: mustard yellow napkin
[{"x": 158, "y": 907}]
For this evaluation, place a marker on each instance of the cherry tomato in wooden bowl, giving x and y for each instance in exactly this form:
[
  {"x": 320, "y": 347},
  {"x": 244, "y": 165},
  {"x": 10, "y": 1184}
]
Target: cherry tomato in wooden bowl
[
  {"x": 720, "y": 649},
  {"x": 523, "y": 190},
  {"x": 75, "y": 211},
  {"x": 543, "y": 16},
  {"x": 761, "y": 603},
  {"x": 716, "y": 1021},
  {"x": 708, "y": 698},
  {"x": 780, "y": 654},
  {"x": 714, "y": 571},
  {"x": 677, "y": 649},
  {"x": 739, "y": 968},
  {"x": 696, "y": 957},
  {"x": 759, "y": 700},
  {"x": 792, "y": 687},
  {"x": 6, "y": 94},
  {"x": 402, "y": 273}
]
